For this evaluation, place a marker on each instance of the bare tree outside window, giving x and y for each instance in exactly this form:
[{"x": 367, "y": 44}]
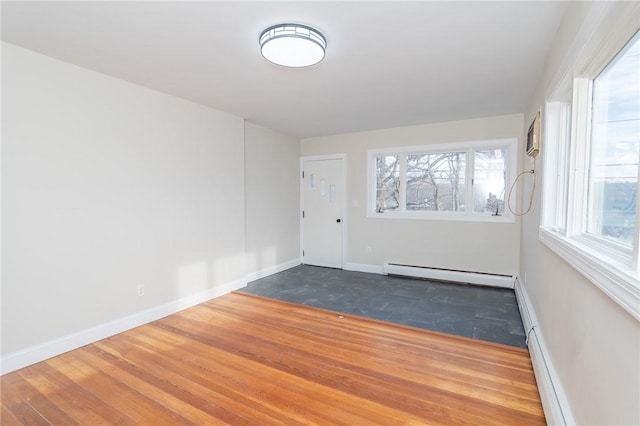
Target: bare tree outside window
[
  {"x": 435, "y": 182},
  {"x": 387, "y": 183},
  {"x": 448, "y": 181}
]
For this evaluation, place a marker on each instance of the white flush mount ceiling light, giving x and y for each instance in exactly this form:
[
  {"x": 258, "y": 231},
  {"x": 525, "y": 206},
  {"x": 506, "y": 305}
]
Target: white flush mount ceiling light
[{"x": 292, "y": 45}]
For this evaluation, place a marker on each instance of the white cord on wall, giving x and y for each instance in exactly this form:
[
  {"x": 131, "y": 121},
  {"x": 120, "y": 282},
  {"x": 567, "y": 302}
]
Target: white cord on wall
[
  {"x": 526, "y": 341},
  {"x": 533, "y": 190}
]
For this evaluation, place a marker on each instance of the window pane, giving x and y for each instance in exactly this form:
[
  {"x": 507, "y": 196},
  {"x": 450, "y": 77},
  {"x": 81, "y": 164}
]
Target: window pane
[
  {"x": 387, "y": 183},
  {"x": 615, "y": 148},
  {"x": 489, "y": 177},
  {"x": 435, "y": 182}
]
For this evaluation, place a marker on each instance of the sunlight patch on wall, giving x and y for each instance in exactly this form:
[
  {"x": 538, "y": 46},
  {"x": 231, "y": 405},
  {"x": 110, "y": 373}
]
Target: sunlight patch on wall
[
  {"x": 192, "y": 277},
  {"x": 228, "y": 268}
]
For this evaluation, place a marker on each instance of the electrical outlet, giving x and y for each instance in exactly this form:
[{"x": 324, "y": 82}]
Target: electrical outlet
[{"x": 140, "y": 290}]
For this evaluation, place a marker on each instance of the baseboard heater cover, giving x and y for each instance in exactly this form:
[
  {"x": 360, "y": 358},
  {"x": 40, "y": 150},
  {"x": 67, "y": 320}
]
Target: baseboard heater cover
[
  {"x": 557, "y": 409},
  {"x": 440, "y": 274}
]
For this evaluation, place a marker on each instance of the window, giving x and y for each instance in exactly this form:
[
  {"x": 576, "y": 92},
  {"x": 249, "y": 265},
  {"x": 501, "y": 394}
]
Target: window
[
  {"x": 435, "y": 182},
  {"x": 591, "y": 209},
  {"x": 387, "y": 183},
  {"x": 615, "y": 149},
  {"x": 489, "y": 180},
  {"x": 432, "y": 181}
]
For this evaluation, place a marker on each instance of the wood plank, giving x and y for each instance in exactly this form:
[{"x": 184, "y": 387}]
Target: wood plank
[
  {"x": 242, "y": 359},
  {"x": 7, "y": 418},
  {"x": 16, "y": 399}
]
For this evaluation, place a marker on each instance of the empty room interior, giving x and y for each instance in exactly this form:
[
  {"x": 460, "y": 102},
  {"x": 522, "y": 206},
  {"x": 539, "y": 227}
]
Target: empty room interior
[{"x": 338, "y": 212}]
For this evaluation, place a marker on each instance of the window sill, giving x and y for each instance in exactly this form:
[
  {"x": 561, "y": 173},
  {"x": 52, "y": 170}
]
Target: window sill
[
  {"x": 443, "y": 216},
  {"x": 615, "y": 279}
]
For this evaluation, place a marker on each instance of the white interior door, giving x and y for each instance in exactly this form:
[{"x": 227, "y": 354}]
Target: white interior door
[{"x": 322, "y": 206}]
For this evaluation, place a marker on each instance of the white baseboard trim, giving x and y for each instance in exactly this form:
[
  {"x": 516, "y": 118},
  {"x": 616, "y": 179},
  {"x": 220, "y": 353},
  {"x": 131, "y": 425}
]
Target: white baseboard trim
[
  {"x": 363, "y": 267},
  {"x": 25, "y": 357},
  {"x": 493, "y": 280},
  {"x": 554, "y": 399},
  {"x": 273, "y": 270}
]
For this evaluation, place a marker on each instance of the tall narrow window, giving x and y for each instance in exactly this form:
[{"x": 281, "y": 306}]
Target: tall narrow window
[
  {"x": 615, "y": 148},
  {"x": 489, "y": 180},
  {"x": 591, "y": 168},
  {"x": 387, "y": 182}
]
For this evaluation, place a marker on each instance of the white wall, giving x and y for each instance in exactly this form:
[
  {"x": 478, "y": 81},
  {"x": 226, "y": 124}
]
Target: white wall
[
  {"x": 272, "y": 200},
  {"x": 476, "y": 246},
  {"x": 106, "y": 186},
  {"x": 593, "y": 343}
]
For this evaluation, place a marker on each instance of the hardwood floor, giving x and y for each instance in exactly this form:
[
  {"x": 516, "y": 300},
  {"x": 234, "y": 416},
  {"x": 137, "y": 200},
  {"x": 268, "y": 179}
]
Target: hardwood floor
[{"x": 242, "y": 359}]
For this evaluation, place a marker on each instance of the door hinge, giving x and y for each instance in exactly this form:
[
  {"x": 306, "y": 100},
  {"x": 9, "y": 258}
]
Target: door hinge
[
  {"x": 302, "y": 253},
  {"x": 303, "y": 214},
  {"x": 303, "y": 174}
]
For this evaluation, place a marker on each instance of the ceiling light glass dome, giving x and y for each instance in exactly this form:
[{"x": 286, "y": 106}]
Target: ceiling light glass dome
[{"x": 292, "y": 45}]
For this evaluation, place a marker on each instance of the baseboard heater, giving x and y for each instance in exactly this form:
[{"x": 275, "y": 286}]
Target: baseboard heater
[
  {"x": 554, "y": 402},
  {"x": 440, "y": 274}
]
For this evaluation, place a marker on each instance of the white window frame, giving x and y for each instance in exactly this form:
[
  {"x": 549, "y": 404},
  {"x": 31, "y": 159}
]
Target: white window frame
[
  {"x": 612, "y": 268},
  {"x": 511, "y": 144}
]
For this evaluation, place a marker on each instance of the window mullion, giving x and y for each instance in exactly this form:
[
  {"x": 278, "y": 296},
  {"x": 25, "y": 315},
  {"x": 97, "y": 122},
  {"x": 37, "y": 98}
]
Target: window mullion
[
  {"x": 469, "y": 176},
  {"x": 576, "y": 211},
  {"x": 403, "y": 182},
  {"x": 551, "y": 177},
  {"x": 556, "y": 164},
  {"x": 563, "y": 166},
  {"x": 635, "y": 260}
]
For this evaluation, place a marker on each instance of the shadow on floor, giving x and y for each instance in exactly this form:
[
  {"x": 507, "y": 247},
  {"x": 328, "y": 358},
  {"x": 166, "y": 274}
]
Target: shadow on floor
[{"x": 483, "y": 313}]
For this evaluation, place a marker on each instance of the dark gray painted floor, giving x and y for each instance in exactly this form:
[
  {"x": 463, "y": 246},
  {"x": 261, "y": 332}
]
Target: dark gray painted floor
[{"x": 483, "y": 313}]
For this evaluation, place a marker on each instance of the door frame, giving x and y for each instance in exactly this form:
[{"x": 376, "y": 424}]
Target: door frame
[{"x": 345, "y": 222}]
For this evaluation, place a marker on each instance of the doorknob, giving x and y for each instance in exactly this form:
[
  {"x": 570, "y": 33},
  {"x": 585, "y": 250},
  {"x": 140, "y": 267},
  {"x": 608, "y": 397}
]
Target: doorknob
[{"x": 339, "y": 220}]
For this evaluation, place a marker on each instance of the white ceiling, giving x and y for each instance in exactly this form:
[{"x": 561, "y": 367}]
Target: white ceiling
[{"x": 388, "y": 64}]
